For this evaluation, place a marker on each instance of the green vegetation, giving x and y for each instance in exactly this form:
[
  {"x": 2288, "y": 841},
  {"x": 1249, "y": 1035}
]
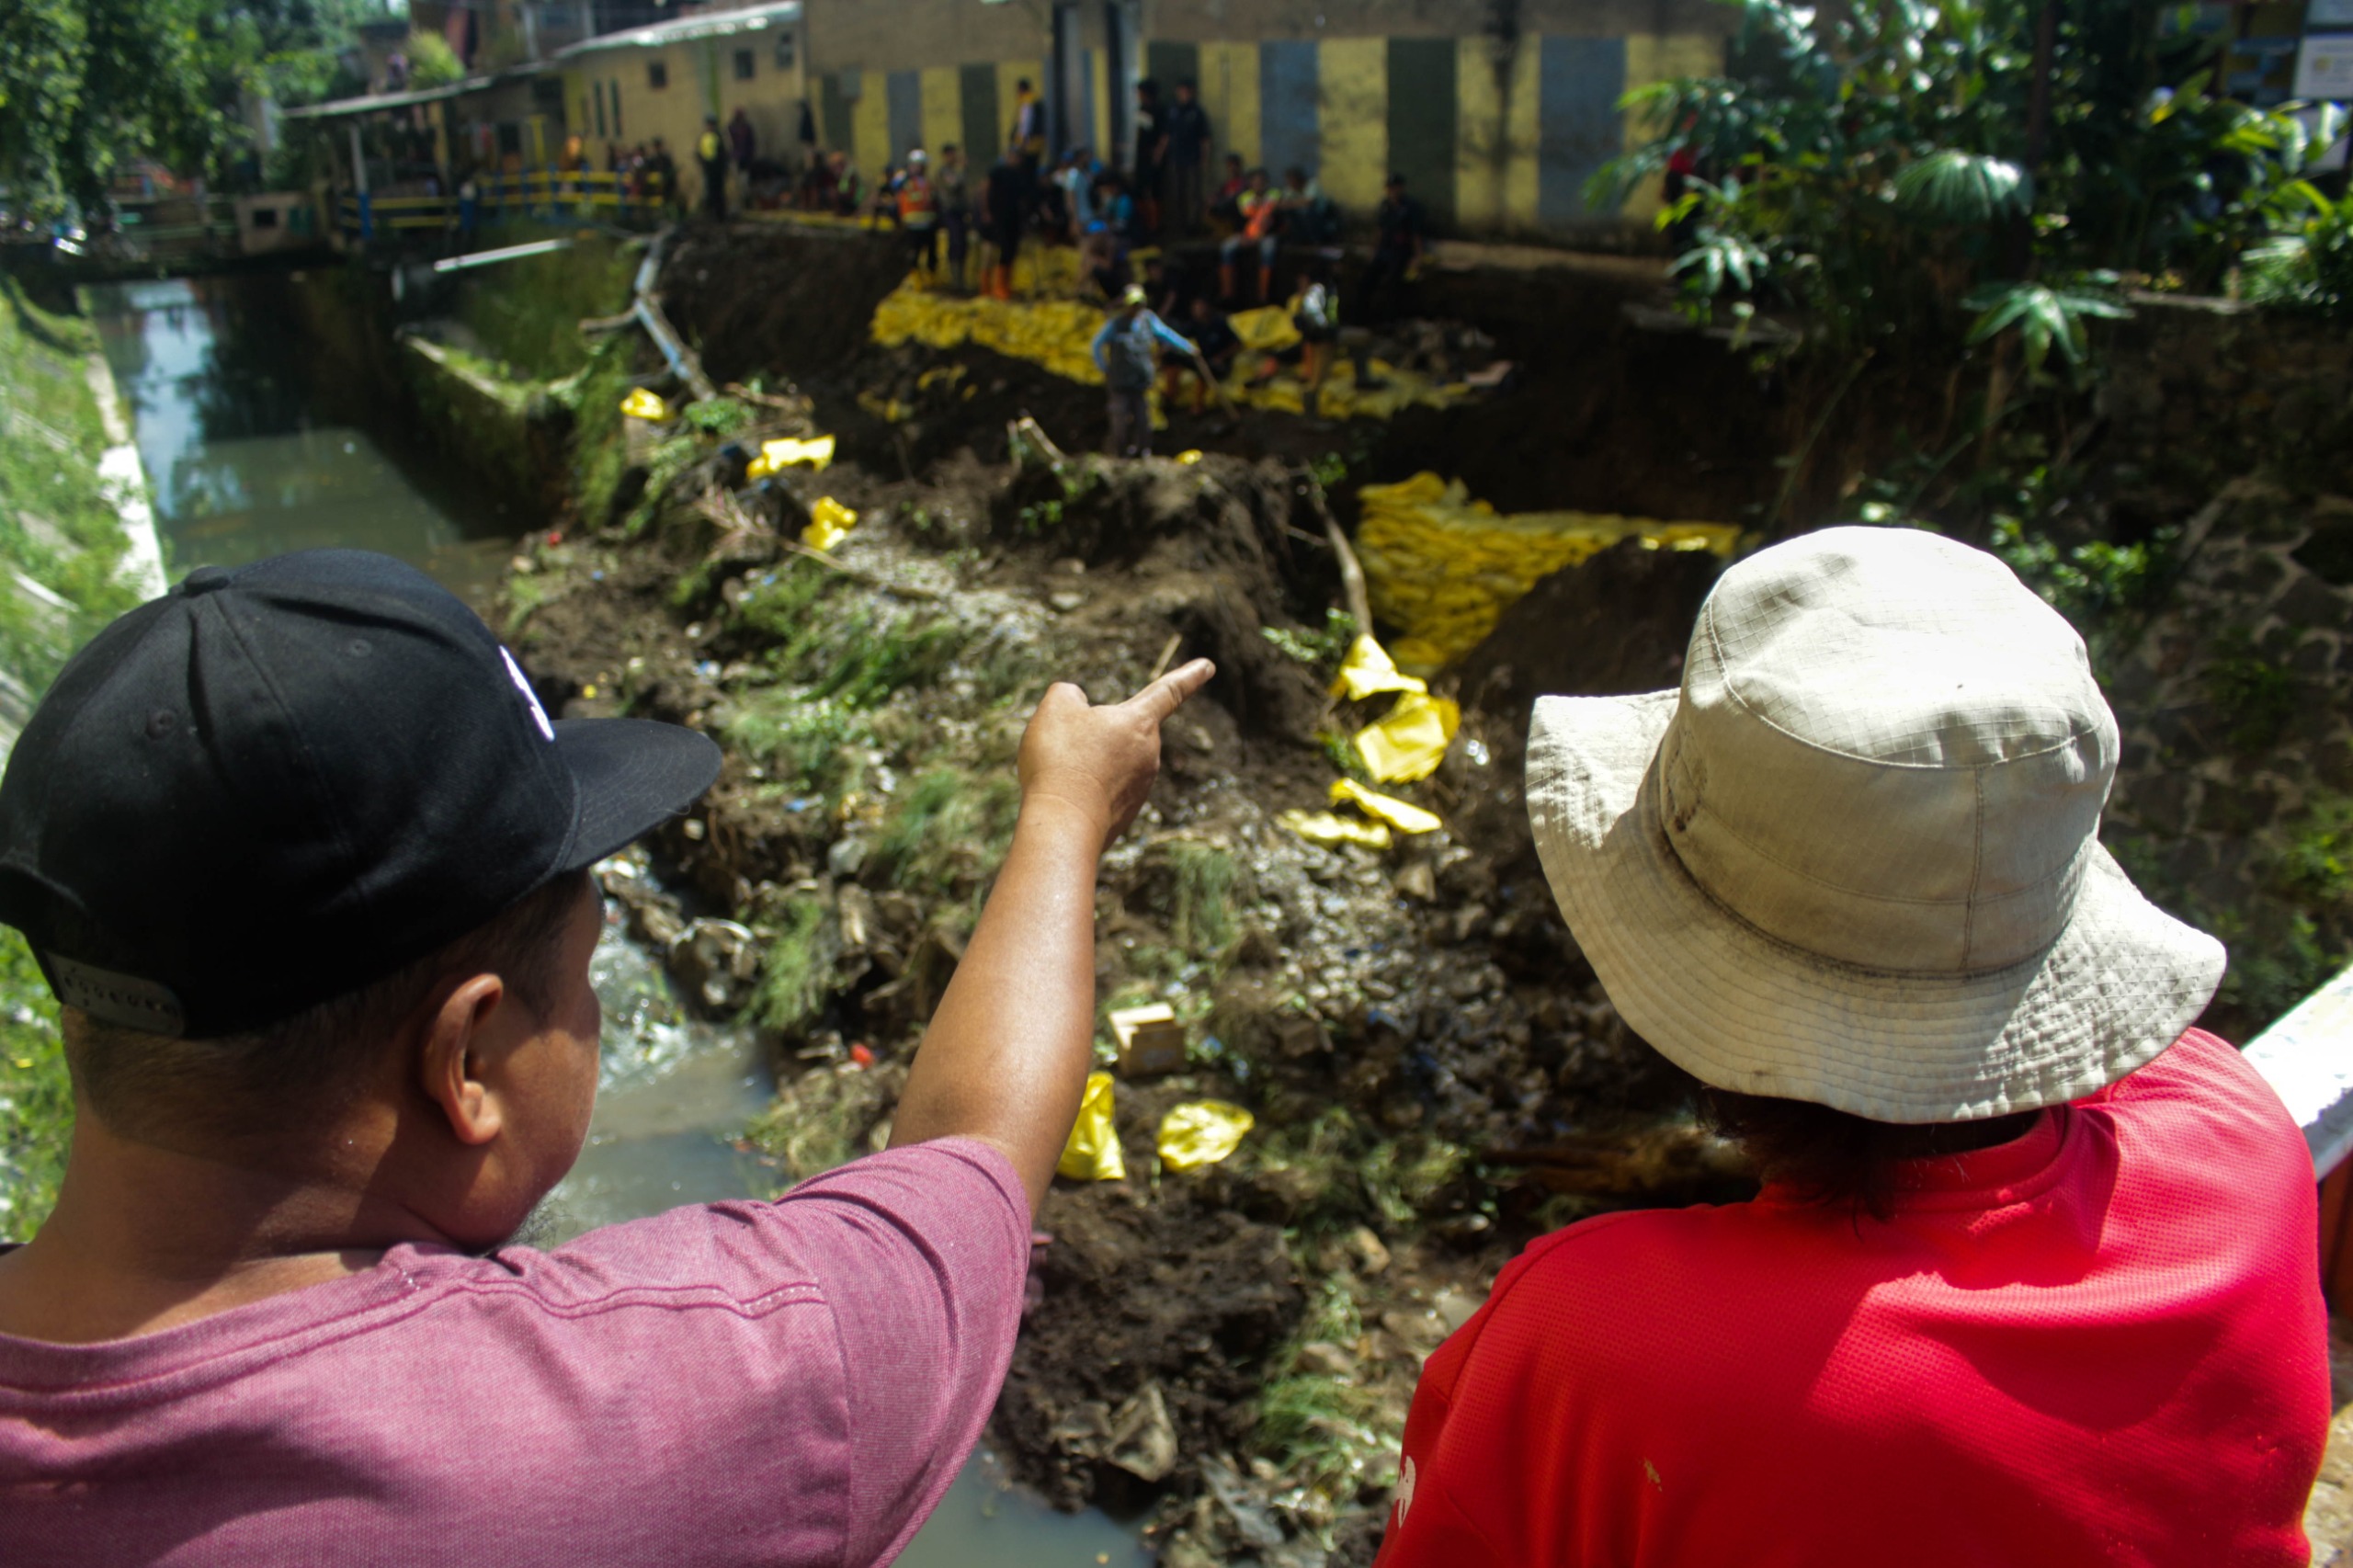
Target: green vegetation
[
  {"x": 948, "y": 826},
  {"x": 528, "y": 312},
  {"x": 36, "y": 1099},
  {"x": 805, "y": 744},
  {"x": 87, "y": 87},
  {"x": 599, "y": 456},
  {"x": 1205, "y": 876},
  {"x": 2256, "y": 693},
  {"x": 796, "y": 971},
  {"x": 57, "y": 526},
  {"x": 431, "y": 62},
  {"x": 1324, "y": 1430},
  {"x": 59, "y": 533},
  {"x": 1320, "y": 651},
  {"x": 2308, "y": 262}
]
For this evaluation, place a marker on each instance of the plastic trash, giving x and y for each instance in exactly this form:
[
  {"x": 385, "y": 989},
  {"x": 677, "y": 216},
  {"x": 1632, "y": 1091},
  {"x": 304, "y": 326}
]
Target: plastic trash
[
  {"x": 1369, "y": 670},
  {"x": 1324, "y": 828},
  {"x": 1403, "y": 815},
  {"x": 829, "y": 524},
  {"x": 1093, "y": 1151},
  {"x": 776, "y": 456},
  {"x": 1412, "y": 741},
  {"x": 645, "y": 403},
  {"x": 1201, "y": 1133},
  {"x": 1190, "y": 456}
]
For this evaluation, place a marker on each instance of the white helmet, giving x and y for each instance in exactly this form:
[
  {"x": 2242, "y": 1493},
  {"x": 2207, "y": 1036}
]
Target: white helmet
[{"x": 915, "y": 156}]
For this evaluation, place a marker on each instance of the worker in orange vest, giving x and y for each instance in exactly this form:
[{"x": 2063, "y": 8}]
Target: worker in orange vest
[
  {"x": 1261, "y": 212},
  {"x": 917, "y": 207}
]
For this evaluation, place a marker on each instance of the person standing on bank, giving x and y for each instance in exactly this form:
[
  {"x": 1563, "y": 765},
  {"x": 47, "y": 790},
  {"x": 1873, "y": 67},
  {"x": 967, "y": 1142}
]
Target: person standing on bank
[
  {"x": 2030, "y": 1281},
  {"x": 1128, "y": 352},
  {"x": 711, "y": 155},
  {"x": 308, "y": 866},
  {"x": 915, "y": 205},
  {"x": 954, "y": 185},
  {"x": 1188, "y": 157},
  {"x": 1152, "y": 156}
]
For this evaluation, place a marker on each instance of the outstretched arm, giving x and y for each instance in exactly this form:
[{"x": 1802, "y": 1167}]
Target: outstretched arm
[{"x": 1008, "y": 1053}]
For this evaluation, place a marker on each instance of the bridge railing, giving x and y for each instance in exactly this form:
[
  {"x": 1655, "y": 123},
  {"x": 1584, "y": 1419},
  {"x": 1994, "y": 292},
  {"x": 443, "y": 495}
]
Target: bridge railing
[{"x": 549, "y": 195}]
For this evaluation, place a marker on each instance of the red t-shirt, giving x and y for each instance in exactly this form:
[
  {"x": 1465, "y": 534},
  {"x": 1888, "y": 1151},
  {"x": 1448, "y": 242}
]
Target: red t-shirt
[{"x": 2101, "y": 1343}]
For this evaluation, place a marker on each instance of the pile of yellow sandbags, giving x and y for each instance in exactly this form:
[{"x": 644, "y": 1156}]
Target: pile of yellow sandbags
[
  {"x": 1055, "y": 333},
  {"x": 1443, "y": 568}
]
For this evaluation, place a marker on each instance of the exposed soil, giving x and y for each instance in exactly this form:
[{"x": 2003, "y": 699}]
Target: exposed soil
[{"x": 1435, "y": 1074}]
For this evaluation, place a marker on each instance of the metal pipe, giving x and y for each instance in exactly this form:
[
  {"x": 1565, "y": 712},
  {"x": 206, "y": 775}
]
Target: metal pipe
[{"x": 503, "y": 253}]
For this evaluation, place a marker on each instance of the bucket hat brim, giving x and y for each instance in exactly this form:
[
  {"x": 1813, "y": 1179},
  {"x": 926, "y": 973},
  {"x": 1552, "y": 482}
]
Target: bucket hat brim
[{"x": 1743, "y": 1010}]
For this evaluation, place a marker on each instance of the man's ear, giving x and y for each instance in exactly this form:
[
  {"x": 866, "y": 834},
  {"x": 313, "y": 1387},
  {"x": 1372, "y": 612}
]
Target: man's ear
[{"x": 456, "y": 1035}]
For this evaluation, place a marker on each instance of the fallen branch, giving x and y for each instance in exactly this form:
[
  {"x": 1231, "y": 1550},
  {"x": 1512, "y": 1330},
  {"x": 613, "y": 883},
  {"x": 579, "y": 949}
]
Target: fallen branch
[{"x": 1351, "y": 578}]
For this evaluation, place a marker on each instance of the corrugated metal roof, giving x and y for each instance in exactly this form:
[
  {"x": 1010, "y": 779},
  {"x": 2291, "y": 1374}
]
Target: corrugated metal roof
[
  {"x": 713, "y": 24},
  {"x": 375, "y": 102}
]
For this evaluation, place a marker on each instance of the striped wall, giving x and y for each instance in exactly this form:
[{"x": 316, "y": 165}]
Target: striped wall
[{"x": 1486, "y": 143}]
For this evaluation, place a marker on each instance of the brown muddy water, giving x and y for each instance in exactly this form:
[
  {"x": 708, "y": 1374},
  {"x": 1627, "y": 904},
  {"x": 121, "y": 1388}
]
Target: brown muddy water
[{"x": 244, "y": 459}]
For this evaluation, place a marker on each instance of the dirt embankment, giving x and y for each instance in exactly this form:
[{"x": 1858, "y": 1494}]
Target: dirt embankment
[{"x": 1434, "y": 1073}]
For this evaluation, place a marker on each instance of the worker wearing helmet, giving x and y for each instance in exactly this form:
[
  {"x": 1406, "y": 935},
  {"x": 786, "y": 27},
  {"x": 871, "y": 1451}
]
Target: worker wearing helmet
[{"x": 916, "y": 206}]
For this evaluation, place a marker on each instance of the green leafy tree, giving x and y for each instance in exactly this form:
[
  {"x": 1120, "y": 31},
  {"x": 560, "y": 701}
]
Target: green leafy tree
[
  {"x": 431, "y": 62},
  {"x": 88, "y": 85}
]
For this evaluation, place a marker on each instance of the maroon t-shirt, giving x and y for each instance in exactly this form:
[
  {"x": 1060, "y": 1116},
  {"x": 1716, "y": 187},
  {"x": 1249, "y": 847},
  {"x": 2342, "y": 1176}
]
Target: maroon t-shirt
[{"x": 787, "y": 1382}]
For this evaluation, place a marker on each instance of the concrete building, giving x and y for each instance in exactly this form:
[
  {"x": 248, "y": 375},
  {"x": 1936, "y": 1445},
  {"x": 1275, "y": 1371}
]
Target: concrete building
[
  {"x": 1496, "y": 131},
  {"x": 631, "y": 87}
]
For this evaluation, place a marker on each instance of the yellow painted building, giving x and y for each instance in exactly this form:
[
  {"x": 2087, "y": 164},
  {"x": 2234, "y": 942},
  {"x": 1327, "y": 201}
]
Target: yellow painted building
[{"x": 1495, "y": 134}]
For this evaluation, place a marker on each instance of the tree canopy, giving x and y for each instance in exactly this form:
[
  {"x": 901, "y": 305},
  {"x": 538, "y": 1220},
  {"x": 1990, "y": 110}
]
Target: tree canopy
[{"x": 90, "y": 87}]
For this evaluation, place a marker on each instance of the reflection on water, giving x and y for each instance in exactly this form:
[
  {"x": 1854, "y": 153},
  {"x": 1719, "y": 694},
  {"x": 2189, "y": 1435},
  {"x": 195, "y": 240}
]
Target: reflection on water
[{"x": 237, "y": 462}]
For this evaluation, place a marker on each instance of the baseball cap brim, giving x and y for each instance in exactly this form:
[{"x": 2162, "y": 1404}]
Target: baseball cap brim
[{"x": 634, "y": 776}]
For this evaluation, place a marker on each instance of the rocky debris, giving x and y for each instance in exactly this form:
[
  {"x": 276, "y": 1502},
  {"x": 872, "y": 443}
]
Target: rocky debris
[{"x": 1434, "y": 1072}]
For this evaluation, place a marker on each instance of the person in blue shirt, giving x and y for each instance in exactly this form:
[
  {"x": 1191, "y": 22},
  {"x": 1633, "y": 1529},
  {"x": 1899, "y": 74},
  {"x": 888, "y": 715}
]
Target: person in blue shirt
[{"x": 1128, "y": 352}]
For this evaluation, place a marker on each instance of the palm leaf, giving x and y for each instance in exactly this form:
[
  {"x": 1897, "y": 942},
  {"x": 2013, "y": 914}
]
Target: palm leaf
[{"x": 1953, "y": 186}]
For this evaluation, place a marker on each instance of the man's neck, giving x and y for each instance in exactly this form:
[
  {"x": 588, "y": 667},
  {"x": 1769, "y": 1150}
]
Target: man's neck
[{"x": 145, "y": 1238}]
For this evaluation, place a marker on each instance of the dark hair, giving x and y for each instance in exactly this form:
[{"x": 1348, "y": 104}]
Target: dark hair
[
  {"x": 1395, "y": 179},
  {"x": 1836, "y": 1158},
  {"x": 306, "y": 1069}
]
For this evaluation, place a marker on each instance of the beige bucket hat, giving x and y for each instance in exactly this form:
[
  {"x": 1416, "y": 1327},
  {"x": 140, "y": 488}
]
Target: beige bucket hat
[{"x": 1854, "y": 860}]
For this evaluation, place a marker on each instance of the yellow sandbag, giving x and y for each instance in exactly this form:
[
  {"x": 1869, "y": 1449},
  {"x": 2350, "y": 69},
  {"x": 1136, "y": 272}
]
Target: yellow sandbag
[
  {"x": 1368, "y": 671},
  {"x": 1268, "y": 329},
  {"x": 776, "y": 456},
  {"x": 1442, "y": 567},
  {"x": 1324, "y": 828},
  {"x": 1189, "y": 457},
  {"x": 645, "y": 403},
  {"x": 829, "y": 524},
  {"x": 1412, "y": 741},
  {"x": 1201, "y": 1133},
  {"x": 1403, "y": 815},
  {"x": 1093, "y": 1151}
]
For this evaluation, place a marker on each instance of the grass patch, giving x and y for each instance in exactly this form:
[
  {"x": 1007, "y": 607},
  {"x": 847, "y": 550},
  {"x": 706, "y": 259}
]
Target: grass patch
[
  {"x": 36, "y": 1098},
  {"x": 528, "y": 312},
  {"x": 862, "y": 658},
  {"x": 57, "y": 526},
  {"x": 824, "y": 1118},
  {"x": 948, "y": 826},
  {"x": 2256, "y": 693},
  {"x": 1404, "y": 1176},
  {"x": 1324, "y": 1430},
  {"x": 599, "y": 456},
  {"x": 808, "y": 745},
  {"x": 796, "y": 971},
  {"x": 1202, "y": 919}
]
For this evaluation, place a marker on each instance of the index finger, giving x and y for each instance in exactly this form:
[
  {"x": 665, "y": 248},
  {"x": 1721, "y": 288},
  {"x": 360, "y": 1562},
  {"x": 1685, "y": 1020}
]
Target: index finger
[{"x": 1167, "y": 693}]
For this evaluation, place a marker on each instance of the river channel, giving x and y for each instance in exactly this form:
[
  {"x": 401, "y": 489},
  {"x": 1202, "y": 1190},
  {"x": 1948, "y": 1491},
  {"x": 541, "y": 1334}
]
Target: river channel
[{"x": 245, "y": 455}]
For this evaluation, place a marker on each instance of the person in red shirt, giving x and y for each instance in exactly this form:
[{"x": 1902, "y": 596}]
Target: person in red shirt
[{"x": 2030, "y": 1279}]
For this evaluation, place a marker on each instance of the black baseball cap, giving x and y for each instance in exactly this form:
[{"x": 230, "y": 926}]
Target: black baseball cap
[{"x": 281, "y": 781}]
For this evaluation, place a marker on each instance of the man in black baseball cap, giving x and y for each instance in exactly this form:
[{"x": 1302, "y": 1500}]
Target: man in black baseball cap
[{"x": 306, "y": 863}]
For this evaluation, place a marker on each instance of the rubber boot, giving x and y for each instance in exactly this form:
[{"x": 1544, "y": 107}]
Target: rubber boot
[
  {"x": 1225, "y": 281},
  {"x": 1266, "y": 284}
]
